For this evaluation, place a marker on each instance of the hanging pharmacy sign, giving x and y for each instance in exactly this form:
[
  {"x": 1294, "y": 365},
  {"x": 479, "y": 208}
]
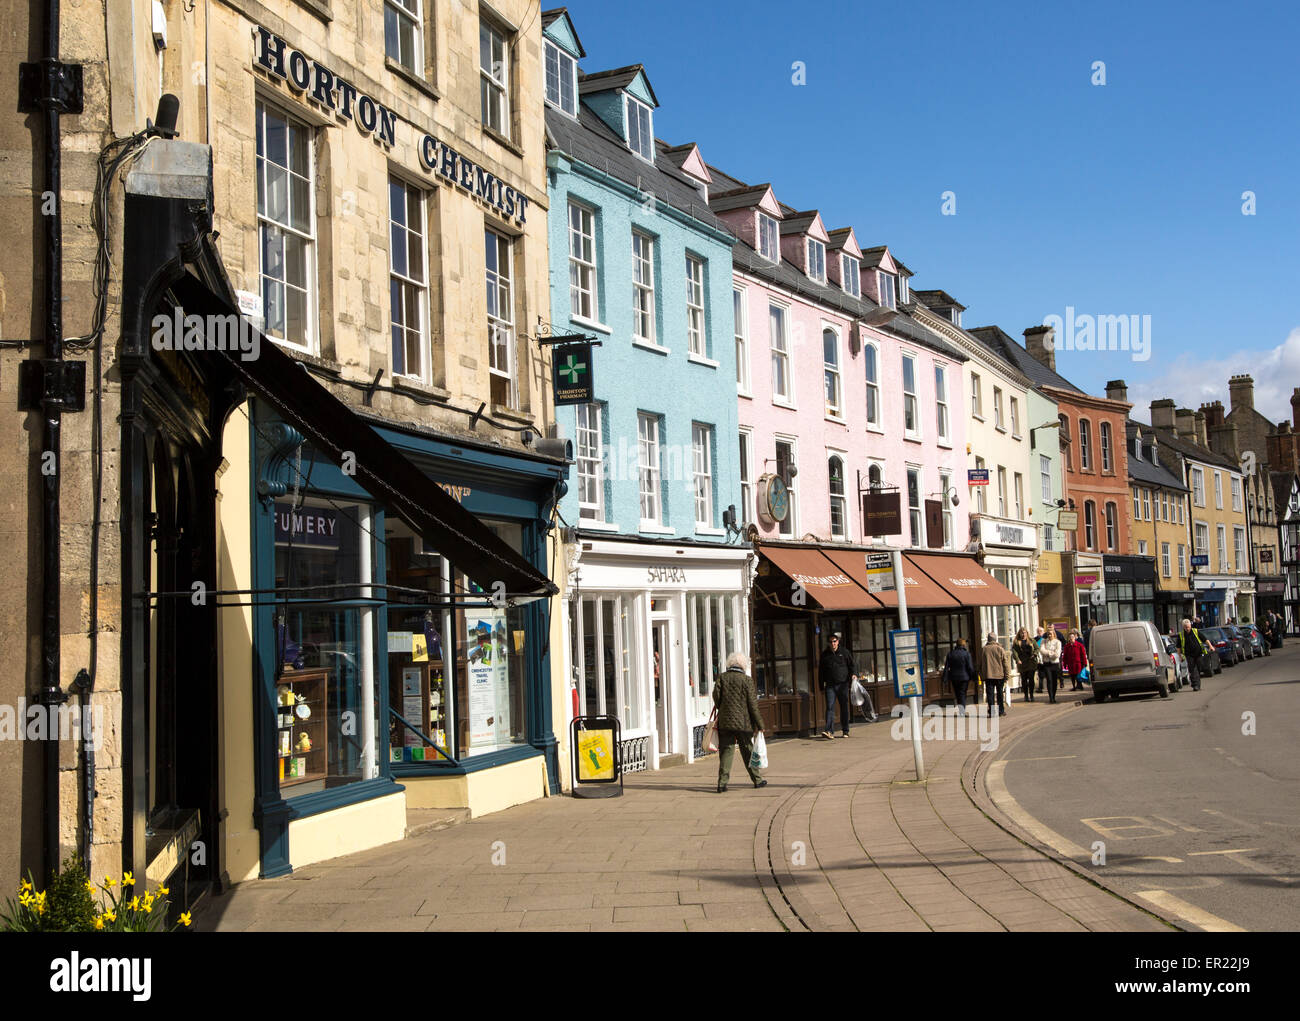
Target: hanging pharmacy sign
[{"x": 572, "y": 374}]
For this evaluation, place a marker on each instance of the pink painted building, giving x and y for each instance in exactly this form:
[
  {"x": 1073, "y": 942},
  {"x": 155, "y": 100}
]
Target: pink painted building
[{"x": 842, "y": 391}]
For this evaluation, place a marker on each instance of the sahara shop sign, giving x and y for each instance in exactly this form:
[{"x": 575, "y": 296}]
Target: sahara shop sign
[{"x": 330, "y": 91}]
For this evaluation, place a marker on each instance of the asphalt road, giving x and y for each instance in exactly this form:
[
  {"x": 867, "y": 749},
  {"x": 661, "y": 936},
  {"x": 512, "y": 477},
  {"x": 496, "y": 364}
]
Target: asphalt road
[{"x": 1195, "y": 812}]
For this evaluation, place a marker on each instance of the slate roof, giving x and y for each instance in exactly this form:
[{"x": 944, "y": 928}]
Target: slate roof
[
  {"x": 1037, "y": 373},
  {"x": 734, "y": 198},
  {"x": 871, "y": 257},
  {"x": 938, "y": 299},
  {"x": 1194, "y": 451},
  {"x": 798, "y": 223},
  {"x": 589, "y": 140},
  {"x": 1281, "y": 492},
  {"x": 1143, "y": 470},
  {"x": 614, "y": 78}
]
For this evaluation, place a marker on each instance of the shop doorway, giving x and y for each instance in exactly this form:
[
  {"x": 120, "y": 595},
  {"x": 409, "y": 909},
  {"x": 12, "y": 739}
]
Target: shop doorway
[{"x": 662, "y": 635}]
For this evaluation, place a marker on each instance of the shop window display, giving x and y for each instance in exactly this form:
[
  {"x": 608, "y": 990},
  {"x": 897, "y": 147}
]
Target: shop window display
[{"x": 325, "y": 691}]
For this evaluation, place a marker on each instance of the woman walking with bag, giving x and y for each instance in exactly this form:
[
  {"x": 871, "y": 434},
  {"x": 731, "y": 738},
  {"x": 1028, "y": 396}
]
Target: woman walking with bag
[
  {"x": 1074, "y": 658},
  {"x": 1026, "y": 654},
  {"x": 959, "y": 669},
  {"x": 739, "y": 721},
  {"x": 1050, "y": 663}
]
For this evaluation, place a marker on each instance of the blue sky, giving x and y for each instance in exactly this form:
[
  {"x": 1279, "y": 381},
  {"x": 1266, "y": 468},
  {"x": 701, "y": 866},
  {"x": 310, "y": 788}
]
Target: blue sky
[{"x": 1116, "y": 199}]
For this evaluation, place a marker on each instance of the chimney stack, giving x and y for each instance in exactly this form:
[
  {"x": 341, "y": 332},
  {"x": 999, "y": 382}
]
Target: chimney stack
[
  {"x": 1040, "y": 341},
  {"x": 1295, "y": 406},
  {"x": 1241, "y": 393},
  {"x": 1117, "y": 390},
  {"x": 1223, "y": 440},
  {"x": 1185, "y": 424},
  {"x": 1201, "y": 437},
  {"x": 1213, "y": 413},
  {"x": 1162, "y": 414}
]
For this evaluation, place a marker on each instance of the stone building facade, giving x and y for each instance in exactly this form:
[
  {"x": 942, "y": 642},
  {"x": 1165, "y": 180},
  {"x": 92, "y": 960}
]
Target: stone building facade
[{"x": 367, "y": 182}]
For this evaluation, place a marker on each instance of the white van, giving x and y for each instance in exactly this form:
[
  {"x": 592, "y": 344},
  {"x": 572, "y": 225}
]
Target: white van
[{"x": 1129, "y": 657}]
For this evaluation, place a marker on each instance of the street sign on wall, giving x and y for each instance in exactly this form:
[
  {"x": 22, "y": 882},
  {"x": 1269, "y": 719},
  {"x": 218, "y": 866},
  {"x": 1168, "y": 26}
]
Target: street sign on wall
[{"x": 1200, "y": 560}]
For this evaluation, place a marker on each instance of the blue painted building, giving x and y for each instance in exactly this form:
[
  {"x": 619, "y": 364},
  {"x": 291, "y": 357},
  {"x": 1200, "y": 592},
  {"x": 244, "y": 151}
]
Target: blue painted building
[{"x": 657, "y": 578}]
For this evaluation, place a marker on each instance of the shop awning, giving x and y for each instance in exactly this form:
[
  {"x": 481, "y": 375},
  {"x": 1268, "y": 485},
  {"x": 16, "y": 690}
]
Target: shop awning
[
  {"x": 824, "y": 581},
  {"x": 965, "y": 580},
  {"x": 381, "y": 469},
  {"x": 922, "y": 592}
]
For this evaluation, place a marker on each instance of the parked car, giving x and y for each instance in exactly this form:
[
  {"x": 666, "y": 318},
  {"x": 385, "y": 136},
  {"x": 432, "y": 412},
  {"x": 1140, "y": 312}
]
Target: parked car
[
  {"x": 1257, "y": 640},
  {"x": 1181, "y": 674},
  {"x": 1211, "y": 664},
  {"x": 1243, "y": 644},
  {"x": 1223, "y": 644},
  {"x": 1129, "y": 656}
]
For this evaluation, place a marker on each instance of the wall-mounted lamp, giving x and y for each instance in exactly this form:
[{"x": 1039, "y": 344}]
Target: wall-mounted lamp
[{"x": 1046, "y": 425}]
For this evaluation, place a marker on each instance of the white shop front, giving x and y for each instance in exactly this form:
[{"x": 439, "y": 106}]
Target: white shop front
[
  {"x": 649, "y": 628},
  {"x": 1011, "y": 555}
]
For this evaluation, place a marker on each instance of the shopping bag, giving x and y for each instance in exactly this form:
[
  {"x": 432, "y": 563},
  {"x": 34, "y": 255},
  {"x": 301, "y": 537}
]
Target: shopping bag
[
  {"x": 711, "y": 733},
  {"x": 1085, "y": 675},
  {"x": 758, "y": 757},
  {"x": 859, "y": 693}
]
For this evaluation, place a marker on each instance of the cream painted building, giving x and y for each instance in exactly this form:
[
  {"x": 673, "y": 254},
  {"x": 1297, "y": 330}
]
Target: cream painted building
[{"x": 322, "y": 548}]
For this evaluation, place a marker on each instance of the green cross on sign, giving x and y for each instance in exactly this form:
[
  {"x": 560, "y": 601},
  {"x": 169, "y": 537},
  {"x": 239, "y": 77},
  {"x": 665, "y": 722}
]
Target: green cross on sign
[{"x": 572, "y": 371}]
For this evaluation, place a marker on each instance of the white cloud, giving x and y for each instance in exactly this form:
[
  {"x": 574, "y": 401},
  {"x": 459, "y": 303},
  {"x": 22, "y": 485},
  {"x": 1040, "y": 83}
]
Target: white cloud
[{"x": 1192, "y": 381}]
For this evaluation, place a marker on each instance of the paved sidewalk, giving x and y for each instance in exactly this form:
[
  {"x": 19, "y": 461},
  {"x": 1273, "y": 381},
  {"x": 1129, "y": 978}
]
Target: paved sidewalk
[{"x": 842, "y": 838}]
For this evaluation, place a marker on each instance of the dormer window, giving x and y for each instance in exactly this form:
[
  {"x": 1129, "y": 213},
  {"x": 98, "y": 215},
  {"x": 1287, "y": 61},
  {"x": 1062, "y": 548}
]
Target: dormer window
[
  {"x": 768, "y": 245},
  {"x": 640, "y": 137},
  {"x": 817, "y": 261},
  {"x": 850, "y": 276},
  {"x": 902, "y": 289},
  {"x": 887, "y": 291},
  {"x": 561, "y": 80}
]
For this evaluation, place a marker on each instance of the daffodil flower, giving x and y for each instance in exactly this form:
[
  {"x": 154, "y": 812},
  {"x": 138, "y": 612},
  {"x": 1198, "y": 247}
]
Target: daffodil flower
[
  {"x": 134, "y": 904},
  {"x": 110, "y": 916},
  {"x": 99, "y": 923},
  {"x": 185, "y": 918},
  {"x": 110, "y": 882},
  {"x": 26, "y": 899},
  {"x": 163, "y": 890},
  {"x": 128, "y": 879},
  {"x": 25, "y": 886},
  {"x": 90, "y": 887}
]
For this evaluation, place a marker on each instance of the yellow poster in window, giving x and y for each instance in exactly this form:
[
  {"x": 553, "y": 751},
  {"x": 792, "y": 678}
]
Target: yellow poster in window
[
  {"x": 595, "y": 755},
  {"x": 419, "y": 649}
]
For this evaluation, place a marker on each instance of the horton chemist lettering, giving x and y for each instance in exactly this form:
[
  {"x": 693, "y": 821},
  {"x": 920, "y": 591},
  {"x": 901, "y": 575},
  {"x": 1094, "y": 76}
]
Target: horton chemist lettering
[{"x": 336, "y": 94}]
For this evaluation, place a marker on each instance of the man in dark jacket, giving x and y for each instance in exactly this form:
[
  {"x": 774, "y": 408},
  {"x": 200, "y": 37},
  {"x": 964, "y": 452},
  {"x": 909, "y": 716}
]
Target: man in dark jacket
[
  {"x": 738, "y": 718},
  {"x": 1192, "y": 649},
  {"x": 959, "y": 669},
  {"x": 836, "y": 674}
]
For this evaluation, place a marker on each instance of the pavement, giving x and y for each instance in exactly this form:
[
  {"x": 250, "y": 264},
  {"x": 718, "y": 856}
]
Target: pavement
[{"x": 843, "y": 838}]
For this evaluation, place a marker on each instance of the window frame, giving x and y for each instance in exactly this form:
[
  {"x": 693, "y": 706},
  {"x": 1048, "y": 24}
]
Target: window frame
[
  {"x": 1198, "y": 487},
  {"x": 837, "y": 500},
  {"x": 1112, "y": 526},
  {"x": 1014, "y": 411},
  {"x": 1235, "y": 483},
  {"x": 404, "y": 280},
  {"x": 886, "y": 290},
  {"x": 1045, "y": 478},
  {"x": 311, "y": 293},
  {"x": 1218, "y": 490},
  {"x": 649, "y": 469},
  {"x": 510, "y": 373},
  {"x": 1104, "y": 439},
  {"x": 871, "y": 373},
  {"x": 740, "y": 315},
  {"x": 416, "y": 20},
  {"x": 831, "y": 377},
  {"x": 643, "y": 266},
  {"x": 580, "y": 265},
  {"x": 1166, "y": 560},
  {"x": 1085, "y": 445},
  {"x": 762, "y": 236},
  {"x": 976, "y": 397},
  {"x": 748, "y": 510},
  {"x": 697, "y": 329},
  {"x": 789, "y": 528},
  {"x": 489, "y": 83},
  {"x": 598, "y": 474},
  {"x": 997, "y": 410},
  {"x": 780, "y": 352},
  {"x": 561, "y": 56},
  {"x": 915, "y": 518},
  {"x": 631, "y": 103},
  {"x": 816, "y": 266},
  {"x": 1090, "y": 525},
  {"x": 702, "y": 457},
  {"x": 1002, "y": 491},
  {"x": 911, "y": 399},
  {"x": 941, "y": 403},
  {"x": 850, "y": 270},
  {"x": 1018, "y": 494}
]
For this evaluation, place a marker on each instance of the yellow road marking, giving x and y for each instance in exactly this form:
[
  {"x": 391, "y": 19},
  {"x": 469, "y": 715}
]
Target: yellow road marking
[{"x": 1170, "y": 904}]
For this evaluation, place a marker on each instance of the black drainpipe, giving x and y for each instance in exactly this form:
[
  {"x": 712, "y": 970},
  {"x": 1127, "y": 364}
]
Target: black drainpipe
[{"x": 51, "y": 385}]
